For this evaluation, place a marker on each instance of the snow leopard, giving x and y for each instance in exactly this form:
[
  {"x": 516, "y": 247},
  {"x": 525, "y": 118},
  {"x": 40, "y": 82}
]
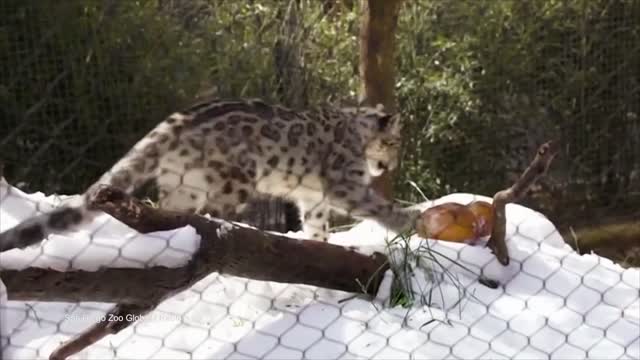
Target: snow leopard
[{"x": 216, "y": 155}]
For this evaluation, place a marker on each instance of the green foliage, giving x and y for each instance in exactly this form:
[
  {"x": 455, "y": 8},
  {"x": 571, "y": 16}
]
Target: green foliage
[
  {"x": 84, "y": 82},
  {"x": 486, "y": 82}
]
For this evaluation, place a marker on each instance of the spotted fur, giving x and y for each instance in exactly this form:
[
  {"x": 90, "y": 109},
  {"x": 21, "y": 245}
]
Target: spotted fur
[{"x": 215, "y": 156}]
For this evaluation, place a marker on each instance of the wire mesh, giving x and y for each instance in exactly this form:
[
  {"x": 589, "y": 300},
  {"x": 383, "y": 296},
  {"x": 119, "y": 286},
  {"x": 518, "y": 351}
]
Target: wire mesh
[{"x": 477, "y": 101}]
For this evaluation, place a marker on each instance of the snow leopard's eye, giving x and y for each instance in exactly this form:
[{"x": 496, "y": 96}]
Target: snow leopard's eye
[{"x": 388, "y": 143}]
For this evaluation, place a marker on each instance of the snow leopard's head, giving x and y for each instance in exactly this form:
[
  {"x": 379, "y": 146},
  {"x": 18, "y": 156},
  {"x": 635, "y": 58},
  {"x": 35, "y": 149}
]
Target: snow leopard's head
[{"x": 382, "y": 137}]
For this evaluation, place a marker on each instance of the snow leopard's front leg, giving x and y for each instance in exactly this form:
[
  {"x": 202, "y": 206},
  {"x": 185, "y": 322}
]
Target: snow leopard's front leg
[
  {"x": 314, "y": 216},
  {"x": 364, "y": 203}
]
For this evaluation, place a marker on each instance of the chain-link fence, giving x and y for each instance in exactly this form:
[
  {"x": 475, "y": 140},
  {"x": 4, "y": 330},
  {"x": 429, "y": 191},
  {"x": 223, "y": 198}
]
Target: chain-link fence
[
  {"x": 480, "y": 86},
  {"x": 554, "y": 302}
]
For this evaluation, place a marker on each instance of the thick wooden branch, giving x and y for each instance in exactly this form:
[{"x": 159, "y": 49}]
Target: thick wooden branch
[
  {"x": 537, "y": 168},
  {"x": 224, "y": 248}
]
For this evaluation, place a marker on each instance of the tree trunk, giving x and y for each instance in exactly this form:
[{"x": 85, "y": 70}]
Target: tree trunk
[{"x": 377, "y": 46}]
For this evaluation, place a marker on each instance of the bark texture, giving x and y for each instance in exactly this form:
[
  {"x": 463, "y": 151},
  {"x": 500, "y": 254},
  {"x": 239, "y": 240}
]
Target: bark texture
[{"x": 378, "y": 24}]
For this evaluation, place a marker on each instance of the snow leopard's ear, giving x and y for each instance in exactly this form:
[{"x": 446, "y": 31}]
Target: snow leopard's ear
[{"x": 390, "y": 124}]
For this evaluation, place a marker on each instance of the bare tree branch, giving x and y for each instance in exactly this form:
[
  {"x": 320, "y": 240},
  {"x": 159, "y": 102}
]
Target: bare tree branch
[
  {"x": 537, "y": 168},
  {"x": 224, "y": 248},
  {"x": 110, "y": 325}
]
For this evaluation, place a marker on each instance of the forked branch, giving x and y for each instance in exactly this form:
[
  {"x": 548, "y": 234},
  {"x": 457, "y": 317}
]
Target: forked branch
[{"x": 537, "y": 168}]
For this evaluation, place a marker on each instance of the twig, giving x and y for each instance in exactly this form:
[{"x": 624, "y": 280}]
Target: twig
[
  {"x": 118, "y": 318},
  {"x": 537, "y": 168}
]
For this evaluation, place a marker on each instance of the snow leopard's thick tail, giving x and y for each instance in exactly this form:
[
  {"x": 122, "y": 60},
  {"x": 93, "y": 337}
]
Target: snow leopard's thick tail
[{"x": 128, "y": 174}]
